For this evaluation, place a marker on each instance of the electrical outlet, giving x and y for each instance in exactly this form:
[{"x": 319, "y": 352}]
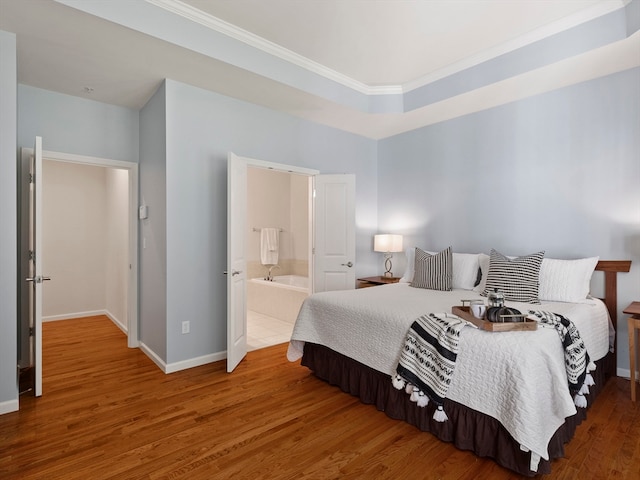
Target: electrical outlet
[{"x": 185, "y": 327}]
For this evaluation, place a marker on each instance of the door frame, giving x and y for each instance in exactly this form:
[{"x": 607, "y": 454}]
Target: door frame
[
  {"x": 133, "y": 279},
  {"x": 239, "y": 351}
]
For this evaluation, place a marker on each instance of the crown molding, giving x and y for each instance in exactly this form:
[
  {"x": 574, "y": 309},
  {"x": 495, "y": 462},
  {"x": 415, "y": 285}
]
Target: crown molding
[
  {"x": 193, "y": 14},
  {"x": 538, "y": 34}
]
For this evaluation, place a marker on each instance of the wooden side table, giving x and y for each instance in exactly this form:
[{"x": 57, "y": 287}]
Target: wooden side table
[
  {"x": 378, "y": 280},
  {"x": 633, "y": 324}
]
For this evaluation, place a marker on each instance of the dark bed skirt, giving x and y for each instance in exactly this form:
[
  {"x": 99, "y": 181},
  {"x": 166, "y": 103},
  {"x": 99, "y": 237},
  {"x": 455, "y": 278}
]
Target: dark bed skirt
[{"x": 467, "y": 429}]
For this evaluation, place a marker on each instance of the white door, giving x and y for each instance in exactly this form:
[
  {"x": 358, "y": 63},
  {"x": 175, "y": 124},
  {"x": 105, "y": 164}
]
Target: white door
[
  {"x": 236, "y": 262},
  {"x": 334, "y": 233},
  {"x": 35, "y": 263}
]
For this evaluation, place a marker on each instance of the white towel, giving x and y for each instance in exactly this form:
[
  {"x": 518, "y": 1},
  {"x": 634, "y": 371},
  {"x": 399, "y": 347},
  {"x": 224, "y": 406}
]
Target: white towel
[{"x": 269, "y": 246}]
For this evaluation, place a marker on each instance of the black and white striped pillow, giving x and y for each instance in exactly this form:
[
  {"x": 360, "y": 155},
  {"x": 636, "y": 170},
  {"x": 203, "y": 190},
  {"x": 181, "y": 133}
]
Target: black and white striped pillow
[
  {"x": 518, "y": 278},
  {"x": 434, "y": 272}
]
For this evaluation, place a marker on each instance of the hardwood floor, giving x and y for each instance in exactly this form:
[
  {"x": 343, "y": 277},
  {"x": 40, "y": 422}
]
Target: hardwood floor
[{"x": 109, "y": 413}]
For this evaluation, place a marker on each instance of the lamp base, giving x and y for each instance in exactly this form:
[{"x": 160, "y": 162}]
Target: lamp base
[{"x": 387, "y": 266}]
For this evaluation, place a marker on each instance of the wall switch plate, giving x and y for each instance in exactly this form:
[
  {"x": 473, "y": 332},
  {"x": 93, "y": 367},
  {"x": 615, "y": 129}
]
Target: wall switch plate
[{"x": 185, "y": 327}]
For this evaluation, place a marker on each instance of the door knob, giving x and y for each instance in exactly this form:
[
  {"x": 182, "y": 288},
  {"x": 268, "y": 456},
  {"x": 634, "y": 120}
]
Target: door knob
[
  {"x": 37, "y": 279},
  {"x": 235, "y": 272},
  {"x": 348, "y": 264}
]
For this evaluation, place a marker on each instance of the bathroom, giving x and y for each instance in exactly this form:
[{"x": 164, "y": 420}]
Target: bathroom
[{"x": 280, "y": 200}]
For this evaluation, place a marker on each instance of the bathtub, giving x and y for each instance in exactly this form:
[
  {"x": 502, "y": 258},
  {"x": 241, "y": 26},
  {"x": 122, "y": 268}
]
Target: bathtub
[{"x": 280, "y": 298}]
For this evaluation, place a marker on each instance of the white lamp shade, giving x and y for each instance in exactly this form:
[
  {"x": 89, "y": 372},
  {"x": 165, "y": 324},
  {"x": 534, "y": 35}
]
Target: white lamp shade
[{"x": 387, "y": 243}]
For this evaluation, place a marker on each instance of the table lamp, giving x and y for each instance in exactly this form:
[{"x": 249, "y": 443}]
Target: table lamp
[{"x": 387, "y": 244}]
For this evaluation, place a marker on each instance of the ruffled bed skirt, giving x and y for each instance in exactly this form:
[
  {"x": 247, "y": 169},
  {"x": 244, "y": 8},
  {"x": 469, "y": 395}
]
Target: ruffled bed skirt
[{"x": 467, "y": 429}]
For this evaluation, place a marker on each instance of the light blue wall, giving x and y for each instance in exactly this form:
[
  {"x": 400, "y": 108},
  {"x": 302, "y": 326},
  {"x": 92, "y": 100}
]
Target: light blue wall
[
  {"x": 8, "y": 225},
  {"x": 76, "y": 125},
  {"x": 556, "y": 172},
  {"x": 153, "y": 230},
  {"x": 201, "y": 128}
]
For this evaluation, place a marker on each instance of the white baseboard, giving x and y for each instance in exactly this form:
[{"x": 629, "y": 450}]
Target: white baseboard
[
  {"x": 153, "y": 356},
  {"x": 195, "y": 362},
  {"x": 118, "y": 323},
  {"x": 183, "y": 364},
  {"x": 91, "y": 313},
  {"x": 69, "y": 316},
  {"x": 9, "y": 406},
  {"x": 626, "y": 373}
]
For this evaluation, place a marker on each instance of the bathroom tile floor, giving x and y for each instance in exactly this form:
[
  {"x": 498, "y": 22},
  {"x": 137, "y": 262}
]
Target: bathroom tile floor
[{"x": 264, "y": 331}]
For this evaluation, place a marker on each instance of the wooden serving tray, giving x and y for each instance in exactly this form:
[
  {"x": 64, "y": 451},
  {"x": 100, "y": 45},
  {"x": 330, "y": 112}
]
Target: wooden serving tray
[{"x": 465, "y": 312}]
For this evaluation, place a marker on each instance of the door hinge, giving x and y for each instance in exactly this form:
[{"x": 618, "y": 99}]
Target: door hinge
[
  {"x": 32, "y": 178},
  {"x": 31, "y": 331},
  {"x": 32, "y": 255}
]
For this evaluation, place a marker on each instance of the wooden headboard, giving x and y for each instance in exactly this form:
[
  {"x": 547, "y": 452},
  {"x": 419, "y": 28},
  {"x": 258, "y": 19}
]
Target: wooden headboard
[{"x": 611, "y": 268}]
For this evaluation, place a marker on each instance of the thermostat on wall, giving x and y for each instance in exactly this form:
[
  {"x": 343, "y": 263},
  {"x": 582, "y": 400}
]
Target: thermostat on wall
[{"x": 143, "y": 212}]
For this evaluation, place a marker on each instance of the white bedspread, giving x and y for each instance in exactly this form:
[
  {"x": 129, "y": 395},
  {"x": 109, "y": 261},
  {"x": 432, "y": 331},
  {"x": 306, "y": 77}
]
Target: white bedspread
[{"x": 518, "y": 378}]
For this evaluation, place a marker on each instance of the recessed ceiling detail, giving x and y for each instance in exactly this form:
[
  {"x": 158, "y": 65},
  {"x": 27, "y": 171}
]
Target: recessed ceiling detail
[{"x": 371, "y": 68}]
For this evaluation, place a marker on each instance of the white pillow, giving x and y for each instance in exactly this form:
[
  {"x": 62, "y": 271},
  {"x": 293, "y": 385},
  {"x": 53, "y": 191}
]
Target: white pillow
[
  {"x": 483, "y": 262},
  {"x": 566, "y": 280},
  {"x": 465, "y": 268},
  {"x": 411, "y": 260}
]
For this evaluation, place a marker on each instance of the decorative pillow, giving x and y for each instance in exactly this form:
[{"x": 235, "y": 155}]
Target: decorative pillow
[
  {"x": 464, "y": 270},
  {"x": 434, "y": 272},
  {"x": 566, "y": 280},
  {"x": 518, "y": 277}
]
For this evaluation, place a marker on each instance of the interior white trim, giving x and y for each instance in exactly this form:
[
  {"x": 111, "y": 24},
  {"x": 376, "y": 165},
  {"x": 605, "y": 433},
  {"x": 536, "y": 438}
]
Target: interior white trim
[
  {"x": 184, "y": 364},
  {"x": 9, "y": 406},
  {"x": 194, "y": 362},
  {"x": 195, "y": 15},
  {"x": 533, "y": 36}
]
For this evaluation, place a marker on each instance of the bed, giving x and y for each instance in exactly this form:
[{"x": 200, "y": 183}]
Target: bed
[{"x": 508, "y": 398}]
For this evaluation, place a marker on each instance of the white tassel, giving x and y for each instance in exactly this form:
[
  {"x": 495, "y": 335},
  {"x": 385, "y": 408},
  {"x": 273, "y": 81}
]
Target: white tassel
[
  {"x": 439, "y": 415},
  {"x": 580, "y": 401},
  {"x": 409, "y": 388},
  {"x": 423, "y": 400},
  {"x": 414, "y": 395},
  {"x": 398, "y": 382},
  {"x": 588, "y": 380},
  {"x": 584, "y": 390},
  {"x": 591, "y": 367}
]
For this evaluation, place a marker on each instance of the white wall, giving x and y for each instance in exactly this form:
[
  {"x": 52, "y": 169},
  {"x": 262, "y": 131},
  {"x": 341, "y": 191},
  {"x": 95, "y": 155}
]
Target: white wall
[
  {"x": 300, "y": 217},
  {"x": 117, "y": 244},
  {"x": 74, "y": 239},
  {"x": 85, "y": 237}
]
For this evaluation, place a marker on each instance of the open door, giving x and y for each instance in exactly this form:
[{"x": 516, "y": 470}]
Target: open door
[
  {"x": 35, "y": 278},
  {"x": 334, "y": 233},
  {"x": 236, "y": 262}
]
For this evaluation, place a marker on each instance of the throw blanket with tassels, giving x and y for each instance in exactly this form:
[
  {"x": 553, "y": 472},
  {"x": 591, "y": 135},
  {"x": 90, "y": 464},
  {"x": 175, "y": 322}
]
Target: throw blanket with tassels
[
  {"x": 428, "y": 360},
  {"x": 576, "y": 358}
]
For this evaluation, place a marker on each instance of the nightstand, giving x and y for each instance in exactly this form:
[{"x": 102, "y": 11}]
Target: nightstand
[
  {"x": 374, "y": 281},
  {"x": 633, "y": 324}
]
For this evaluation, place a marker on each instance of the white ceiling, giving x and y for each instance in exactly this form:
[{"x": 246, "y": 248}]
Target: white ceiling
[{"x": 370, "y": 46}]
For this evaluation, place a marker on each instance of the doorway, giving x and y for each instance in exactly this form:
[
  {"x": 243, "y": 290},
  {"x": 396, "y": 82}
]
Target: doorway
[
  {"x": 121, "y": 179},
  {"x": 277, "y": 283}
]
